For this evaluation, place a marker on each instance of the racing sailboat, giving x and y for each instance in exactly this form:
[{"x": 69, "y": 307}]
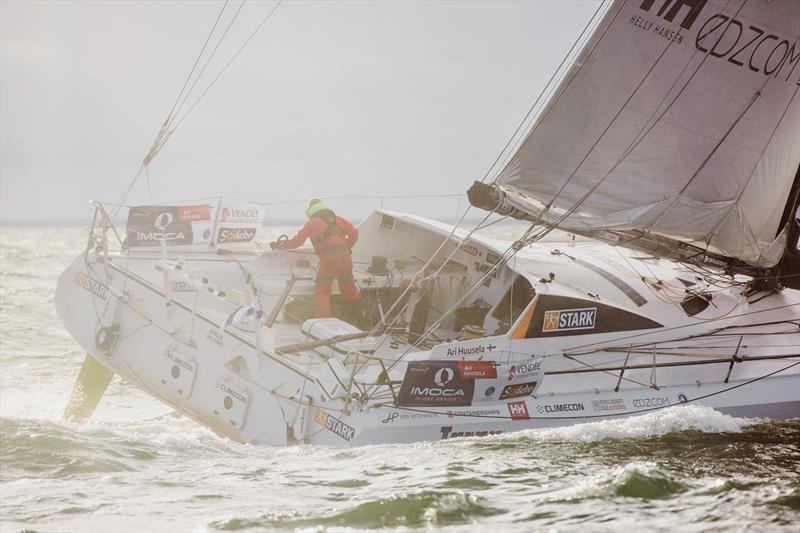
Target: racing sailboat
[{"x": 671, "y": 146}]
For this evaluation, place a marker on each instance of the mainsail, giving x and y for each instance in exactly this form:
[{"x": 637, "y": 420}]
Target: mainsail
[{"x": 678, "y": 124}]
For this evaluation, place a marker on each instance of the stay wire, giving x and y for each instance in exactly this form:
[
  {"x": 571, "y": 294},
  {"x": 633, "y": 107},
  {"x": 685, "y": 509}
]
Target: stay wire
[
  {"x": 228, "y": 64},
  {"x": 533, "y": 106},
  {"x": 486, "y": 175},
  {"x": 197, "y": 60},
  {"x": 210, "y": 56},
  {"x": 164, "y": 126},
  {"x": 549, "y": 226}
]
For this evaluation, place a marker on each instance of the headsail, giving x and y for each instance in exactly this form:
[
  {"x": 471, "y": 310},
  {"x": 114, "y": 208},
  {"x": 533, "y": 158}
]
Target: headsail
[{"x": 679, "y": 124}]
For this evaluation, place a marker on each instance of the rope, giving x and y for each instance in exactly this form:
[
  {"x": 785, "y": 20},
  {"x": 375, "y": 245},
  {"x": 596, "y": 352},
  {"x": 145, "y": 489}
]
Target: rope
[
  {"x": 167, "y": 128},
  {"x": 242, "y": 47},
  {"x": 210, "y": 57}
]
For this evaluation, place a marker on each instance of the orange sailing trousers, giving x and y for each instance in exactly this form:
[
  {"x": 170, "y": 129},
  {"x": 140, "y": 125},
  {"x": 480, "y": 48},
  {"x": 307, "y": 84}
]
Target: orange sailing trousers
[{"x": 338, "y": 266}]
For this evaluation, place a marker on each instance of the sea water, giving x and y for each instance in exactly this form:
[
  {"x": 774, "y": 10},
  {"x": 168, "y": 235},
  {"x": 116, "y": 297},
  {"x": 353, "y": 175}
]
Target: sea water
[{"x": 137, "y": 466}]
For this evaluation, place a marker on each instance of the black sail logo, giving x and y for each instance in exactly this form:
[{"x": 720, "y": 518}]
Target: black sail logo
[{"x": 670, "y": 8}]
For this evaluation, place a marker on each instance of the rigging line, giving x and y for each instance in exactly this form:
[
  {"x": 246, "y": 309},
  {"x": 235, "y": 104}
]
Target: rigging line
[
  {"x": 577, "y": 204},
  {"x": 541, "y": 93},
  {"x": 739, "y": 195},
  {"x": 246, "y": 42},
  {"x": 363, "y": 197},
  {"x": 458, "y": 301},
  {"x": 504, "y": 258},
  {"x": 455, "y": 413},
  {"x": 163, "y": 128},
  {"x": 210, "y": 57},
  {"x": 703, "y": 164},
  {"x": 149, "y": 186},
  {"x": 606, "y": 129},
  {"x": 575, "y": 74},
  {"x": 675, "y": 328},
  {"x": 638, "y": 139},
  {"x": 196, "y": 61},
  {"x": 421, "y": 272},
  {"x": 422, "y": 278}
]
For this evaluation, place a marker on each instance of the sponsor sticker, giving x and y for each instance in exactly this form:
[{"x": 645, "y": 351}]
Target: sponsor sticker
[
  {"x": 148, "y": 225},
  {"x": 448, "y": 433},
  {"x": 471, "y": 250},
  {"x": 615, "y": 404},
  {"x": 524, "y": 370},
  {"x": 241, "y": 214},
  {"x": 214, "y": 336},
  {"x": 192, "y": 213},
  {"x": 473, "y": 412},
  {"x": 569, "y": 319},
  {"x": 391, "y": 417},
  {"x": 518, "y": 411},
  {"x": 464, "y": 351},
  {"x": 233, "y": 393},
  {"x": 92, "y": 285},
  {"x": 559, "y": 408},
  {"x": 433, "y": 383},
  {"x": 180, "y": 286},
  {"x": 653, "y": 401},
  {"x": 517, "y": 390},
  {"x": 334, "y": 425},
  {"x": 227, "y": 235},
  {"x": 476, "y": 369},
  {"x": 185, "y": 364}
]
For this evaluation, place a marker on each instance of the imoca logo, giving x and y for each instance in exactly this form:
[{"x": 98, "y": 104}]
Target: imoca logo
[
  {"x": 443, "y": 376},
  {"x": 163, "y": 220}
]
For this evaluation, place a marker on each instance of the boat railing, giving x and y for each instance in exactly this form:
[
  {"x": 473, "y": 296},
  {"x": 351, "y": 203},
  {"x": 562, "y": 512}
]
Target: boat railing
[{"x": 102, "y": 223}]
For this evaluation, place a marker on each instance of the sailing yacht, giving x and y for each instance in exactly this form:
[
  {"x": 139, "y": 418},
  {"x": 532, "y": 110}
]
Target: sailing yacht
[{"x": 668, "y": 152}]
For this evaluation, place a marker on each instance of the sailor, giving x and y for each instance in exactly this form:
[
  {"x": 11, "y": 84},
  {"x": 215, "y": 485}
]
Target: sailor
[{"x": 333, "y": 237}]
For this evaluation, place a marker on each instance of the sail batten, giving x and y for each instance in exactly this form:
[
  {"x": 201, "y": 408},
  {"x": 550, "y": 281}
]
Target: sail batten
[{"x": 678, "y": 120}]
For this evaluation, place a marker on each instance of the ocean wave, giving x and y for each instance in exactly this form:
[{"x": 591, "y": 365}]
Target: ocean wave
[
  {"x": 425, "y": 508},
  {"x": 643, "y": 480},
  {"x": 62, "y": 450},
  {"x": 674, "y": 419}
]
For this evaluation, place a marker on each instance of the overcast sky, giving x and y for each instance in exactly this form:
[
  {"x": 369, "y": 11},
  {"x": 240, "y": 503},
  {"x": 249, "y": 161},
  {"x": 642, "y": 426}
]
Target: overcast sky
[{"x": 330, "y": 98}]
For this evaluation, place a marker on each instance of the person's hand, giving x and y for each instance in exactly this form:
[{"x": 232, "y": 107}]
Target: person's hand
[{"x": 280, "y": 243}]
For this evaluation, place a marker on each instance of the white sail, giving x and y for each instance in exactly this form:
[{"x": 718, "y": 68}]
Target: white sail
[{"x": 679, "y": 118}]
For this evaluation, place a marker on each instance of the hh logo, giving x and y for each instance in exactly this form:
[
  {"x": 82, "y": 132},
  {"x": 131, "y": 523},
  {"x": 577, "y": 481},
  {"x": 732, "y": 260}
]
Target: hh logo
[
  {"x": 518, "y": 411},
  {"x": 670, "y": 8},
  {"x": 567, "y": 319}
]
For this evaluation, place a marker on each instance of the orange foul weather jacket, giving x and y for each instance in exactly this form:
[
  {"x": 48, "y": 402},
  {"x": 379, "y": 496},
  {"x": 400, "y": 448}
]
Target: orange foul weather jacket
[{"x": 332, "y": 245}]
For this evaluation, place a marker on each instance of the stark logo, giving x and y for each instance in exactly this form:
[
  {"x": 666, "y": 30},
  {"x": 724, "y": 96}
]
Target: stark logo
[
  {"x": 518, "y": 411},
  {"x": 567, "y": 319},
  {"x": 334, "y": 425},
  {"x": 92, "y": 285}
]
